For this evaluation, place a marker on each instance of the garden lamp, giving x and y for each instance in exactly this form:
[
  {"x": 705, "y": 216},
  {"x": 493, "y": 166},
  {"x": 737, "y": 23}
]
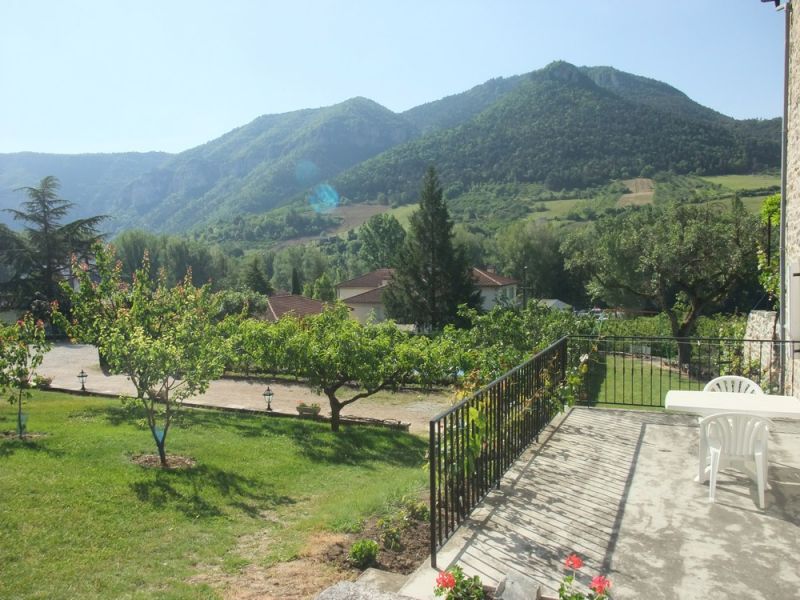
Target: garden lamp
[
  {"x": 268, "y": 398},
  {"x": 82, "y": 376}
]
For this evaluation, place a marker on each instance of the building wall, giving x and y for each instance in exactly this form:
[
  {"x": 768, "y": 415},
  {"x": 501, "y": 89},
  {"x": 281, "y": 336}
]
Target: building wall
[
  {"x": 362, "y": 312},
  {"x": 792, "y": 245},
  {"x": 491, "y": 296}
]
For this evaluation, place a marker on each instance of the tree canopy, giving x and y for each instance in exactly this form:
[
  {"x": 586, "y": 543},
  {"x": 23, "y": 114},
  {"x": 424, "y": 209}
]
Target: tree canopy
[
  {"x": 681, "y": 258},
  {"x": 163, "y": 338},
  {"x": 38, "y": 258}
]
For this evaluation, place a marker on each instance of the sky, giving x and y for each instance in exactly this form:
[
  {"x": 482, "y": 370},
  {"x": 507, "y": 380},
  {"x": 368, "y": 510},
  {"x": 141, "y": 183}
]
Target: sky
[{"x": 115, "y": 76}]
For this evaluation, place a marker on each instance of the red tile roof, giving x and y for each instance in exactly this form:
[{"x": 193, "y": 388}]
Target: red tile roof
[
  {"x": 486, "y": 279},
  {"x": 373, "y": 279},
  {"x": 379, "y": 277},
  {"x": 300, "y": 306}
]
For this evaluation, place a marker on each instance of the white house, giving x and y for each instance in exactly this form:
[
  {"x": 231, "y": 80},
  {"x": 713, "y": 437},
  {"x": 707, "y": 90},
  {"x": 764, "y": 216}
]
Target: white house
[{"x": 364, "y": 294}]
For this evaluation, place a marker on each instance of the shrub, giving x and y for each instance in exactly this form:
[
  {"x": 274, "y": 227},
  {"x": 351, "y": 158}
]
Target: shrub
[{"x": 363, "y": 553}]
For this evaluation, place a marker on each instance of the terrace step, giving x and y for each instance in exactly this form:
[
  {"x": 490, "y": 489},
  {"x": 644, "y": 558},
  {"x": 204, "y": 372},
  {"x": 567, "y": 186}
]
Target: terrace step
[{"x": 348, "y": 590}]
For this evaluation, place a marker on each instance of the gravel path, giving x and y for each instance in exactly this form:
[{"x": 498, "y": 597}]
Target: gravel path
[{"x": 65, "y": 361}]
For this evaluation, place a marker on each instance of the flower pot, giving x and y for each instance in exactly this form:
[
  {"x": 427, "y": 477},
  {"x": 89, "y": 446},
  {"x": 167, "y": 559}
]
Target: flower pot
[{"x": 308, "y": 411}]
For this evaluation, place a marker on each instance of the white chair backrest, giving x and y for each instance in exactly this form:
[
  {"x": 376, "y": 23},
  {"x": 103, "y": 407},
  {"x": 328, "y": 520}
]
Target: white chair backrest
[
  {"x": 733, "y": 383},
  {"x": 735, "y": 434}
]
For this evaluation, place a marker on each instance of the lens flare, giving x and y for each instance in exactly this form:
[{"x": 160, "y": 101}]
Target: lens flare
[{"x": 323, "y": 198}]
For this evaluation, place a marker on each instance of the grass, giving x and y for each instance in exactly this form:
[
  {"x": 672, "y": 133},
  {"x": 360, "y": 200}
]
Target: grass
[
  {"x": 619, "y": 380},
  {"x": 745, "y": 182},
  {"x": 81, "y": 520}
]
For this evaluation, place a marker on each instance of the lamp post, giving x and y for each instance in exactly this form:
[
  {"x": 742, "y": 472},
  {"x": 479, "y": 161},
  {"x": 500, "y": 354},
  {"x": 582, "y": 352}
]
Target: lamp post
[
  {"x": 268, "y": 398},
  {"x": 82, "y": 376}
]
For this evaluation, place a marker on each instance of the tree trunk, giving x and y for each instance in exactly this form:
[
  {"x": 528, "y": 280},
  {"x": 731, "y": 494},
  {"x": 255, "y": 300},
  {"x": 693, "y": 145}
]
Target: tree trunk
[
  {"x": 19, "y": 415},
  {"x": 336, "y": 409},
  {"x": 160, "y": 444}
]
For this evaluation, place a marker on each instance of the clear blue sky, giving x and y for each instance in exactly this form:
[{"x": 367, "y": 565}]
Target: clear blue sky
[{"x": 113, "y": 75}]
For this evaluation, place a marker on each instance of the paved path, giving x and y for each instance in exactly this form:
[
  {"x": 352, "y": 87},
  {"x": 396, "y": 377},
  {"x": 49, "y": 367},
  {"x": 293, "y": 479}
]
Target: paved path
[{"x": 65, "y": 361}]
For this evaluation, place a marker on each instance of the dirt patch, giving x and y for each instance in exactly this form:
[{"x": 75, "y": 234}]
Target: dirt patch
[
  {"x": 323, "y": 562},
  {"x": 175, "y": 462},
  {"x": 13, "y": 435},
  {"x": 641, "y": 192}
]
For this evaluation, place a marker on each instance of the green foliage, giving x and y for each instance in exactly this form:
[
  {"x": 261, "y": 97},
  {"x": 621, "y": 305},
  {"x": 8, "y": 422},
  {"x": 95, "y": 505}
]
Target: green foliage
[
  {"x": 163, "y": 338},
  {"x": 43, "y": 251},
  {"x": 683, "y": 259},
  {"x": 381, "y": 238},
  {"x": 768, "y": 251},
  {"x": 254, "y": 278},
  {"x": 432, "y": 277},
  {"x": 363, "y": 553},
  {"x": 22, "y": 347}
]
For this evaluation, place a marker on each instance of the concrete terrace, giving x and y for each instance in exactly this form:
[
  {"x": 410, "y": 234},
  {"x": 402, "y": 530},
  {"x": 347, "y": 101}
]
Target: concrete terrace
[{"x": 616, "y": 487}]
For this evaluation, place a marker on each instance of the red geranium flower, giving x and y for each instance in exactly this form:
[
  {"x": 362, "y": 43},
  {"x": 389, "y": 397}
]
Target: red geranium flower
[
  {"x": 600, "y": 584},
  {"x": 446, "y": 580},
  {"x": 573, "y": 562}
]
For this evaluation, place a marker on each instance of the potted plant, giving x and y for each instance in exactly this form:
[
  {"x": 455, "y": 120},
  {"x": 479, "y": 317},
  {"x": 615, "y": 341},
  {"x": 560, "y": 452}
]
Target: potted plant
[{"x": 308, "y": 410}]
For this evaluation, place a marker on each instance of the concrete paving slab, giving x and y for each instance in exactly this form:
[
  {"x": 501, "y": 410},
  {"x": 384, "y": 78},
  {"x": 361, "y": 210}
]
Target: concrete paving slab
[{"x": 616, "y": 487}]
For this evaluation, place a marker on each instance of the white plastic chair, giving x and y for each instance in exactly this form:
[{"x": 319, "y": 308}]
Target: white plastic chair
[
  {"x": 733, "y": 383},
  {"x": 734, "y": 440}
]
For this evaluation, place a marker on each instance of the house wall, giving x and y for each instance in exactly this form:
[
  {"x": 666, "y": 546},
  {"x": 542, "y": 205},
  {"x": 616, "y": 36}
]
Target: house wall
[
  {"x": 792, "y": 239},
  {"x": 362, "y": 312},
  {"x": 491, "y": 296}
]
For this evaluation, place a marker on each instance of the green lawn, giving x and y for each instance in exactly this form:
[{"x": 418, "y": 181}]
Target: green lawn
[
  {"x": 745, "y": 182},
  {"x": 633, "y": 382},
  {"x": 80, "y": 520}
]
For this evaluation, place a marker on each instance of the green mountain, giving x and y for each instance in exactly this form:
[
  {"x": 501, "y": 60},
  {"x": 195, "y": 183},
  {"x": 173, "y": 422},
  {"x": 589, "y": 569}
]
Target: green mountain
[
  {"x": 92, "y": 181},
  {"x": 559, "y": 127},
  {"x": 259, "y": 166}
]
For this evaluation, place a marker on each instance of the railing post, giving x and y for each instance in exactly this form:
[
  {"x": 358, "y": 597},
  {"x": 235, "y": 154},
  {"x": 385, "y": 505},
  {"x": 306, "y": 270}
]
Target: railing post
[{"x": 433, "y": 461}]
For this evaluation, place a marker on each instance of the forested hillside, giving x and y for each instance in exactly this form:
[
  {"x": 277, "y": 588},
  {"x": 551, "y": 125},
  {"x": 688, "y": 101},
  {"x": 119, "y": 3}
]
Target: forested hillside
[{"x": 560, "y": 128}]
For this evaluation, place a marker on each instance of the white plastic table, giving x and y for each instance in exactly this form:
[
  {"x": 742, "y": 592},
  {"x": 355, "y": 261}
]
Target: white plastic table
[{"x": 709, "y": 403}]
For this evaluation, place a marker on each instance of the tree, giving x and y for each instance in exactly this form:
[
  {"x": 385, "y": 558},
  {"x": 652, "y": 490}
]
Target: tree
[
  {"x": 163, "y": 338},
  {"x": 768, "y": 257},
  {"x": 432, "y": 277},
  {"x": 22, "y": 347},
  {"x": 683, "y": 259},
  {"x": 48, "y": 245},
  {"x": 532, "y": 253},
  {"x": 381, "y": 238},
  {"x": 255, "y": 280},
  {"x": 332, "y": 351}
]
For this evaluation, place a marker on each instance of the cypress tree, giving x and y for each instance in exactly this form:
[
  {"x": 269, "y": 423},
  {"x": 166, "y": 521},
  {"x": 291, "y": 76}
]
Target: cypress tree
[{"x": 432, "y": 277}]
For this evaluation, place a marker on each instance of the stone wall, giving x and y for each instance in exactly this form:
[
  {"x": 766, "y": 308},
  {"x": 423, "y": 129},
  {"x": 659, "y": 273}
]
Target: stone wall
[{"x": 792, "y": 247}]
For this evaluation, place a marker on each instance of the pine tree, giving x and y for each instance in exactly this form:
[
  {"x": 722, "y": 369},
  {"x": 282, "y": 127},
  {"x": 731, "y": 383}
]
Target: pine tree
[
  {"x": 255, "y": 280},
  {"x": 432, "y": 277},
  {"x": 46, "y": 246}
]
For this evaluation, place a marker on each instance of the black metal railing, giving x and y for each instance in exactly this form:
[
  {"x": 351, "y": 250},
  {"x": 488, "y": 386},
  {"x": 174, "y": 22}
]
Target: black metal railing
[
  {"x": 639, "y": 371},
  {"x": 475, "y": 442}
]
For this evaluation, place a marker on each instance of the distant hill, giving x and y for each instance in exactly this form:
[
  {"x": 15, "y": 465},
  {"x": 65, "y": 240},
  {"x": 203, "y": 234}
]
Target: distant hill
[
  {"x": 562, "y": 126},
  {"x": 259, "y": 166},
  {"x": 92, "y": 181}
]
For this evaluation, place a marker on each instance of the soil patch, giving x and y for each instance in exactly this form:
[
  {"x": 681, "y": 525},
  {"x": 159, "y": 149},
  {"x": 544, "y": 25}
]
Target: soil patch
[
  {"x": 13, "y": 435},
  {"x": 175, "y": 462}
]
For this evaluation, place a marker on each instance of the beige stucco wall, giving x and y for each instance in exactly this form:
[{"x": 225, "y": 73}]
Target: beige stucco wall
[
  {"x": 792, "y": 244},
  {"x": 344, "y": 293},
  {"x": 363, "y": 312},
  {"x": 491, "y": 296}
]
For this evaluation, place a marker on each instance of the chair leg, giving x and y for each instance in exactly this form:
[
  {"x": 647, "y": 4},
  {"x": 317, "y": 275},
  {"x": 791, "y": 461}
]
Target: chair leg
[
  {"x": 761, "y": 476},
  {"x": 702, "y": 461},
  {"x": 712, "y": 484}
]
